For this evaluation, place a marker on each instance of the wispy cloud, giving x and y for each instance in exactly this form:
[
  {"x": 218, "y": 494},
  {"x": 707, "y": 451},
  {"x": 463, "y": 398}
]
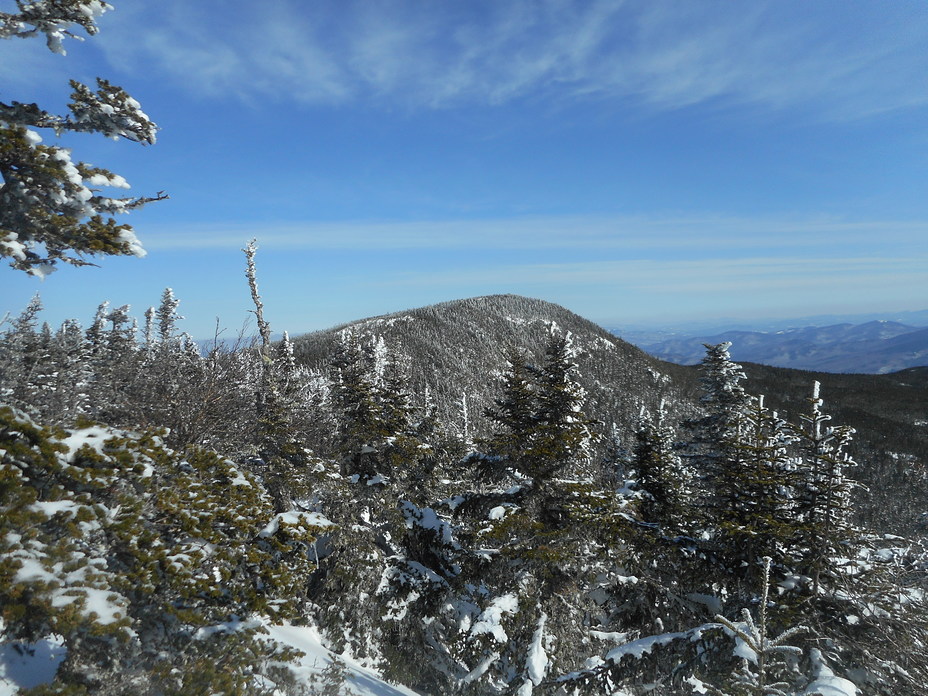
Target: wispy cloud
[
  {"x": 660, "y": 290},
  {"x": 838, "y": 62},
  {"x": 708, "y": 276},
  {"x": 689, "y": 236}
]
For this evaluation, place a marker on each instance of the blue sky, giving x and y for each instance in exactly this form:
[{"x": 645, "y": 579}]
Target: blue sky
[{"x": 637, "y": 162}]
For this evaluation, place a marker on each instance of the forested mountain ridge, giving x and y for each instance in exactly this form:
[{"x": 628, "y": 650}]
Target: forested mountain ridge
[
  {"x": 458, "y": 348},
  {"x": 170, "y": 515}
]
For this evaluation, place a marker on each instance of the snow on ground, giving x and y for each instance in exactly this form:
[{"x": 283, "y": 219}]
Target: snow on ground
[
  {"x": 359, "y": 681},
  {"x": 24, "y": 665},
  {"x": 94, "y": 437},
  {"x": 826, "y": 683}
]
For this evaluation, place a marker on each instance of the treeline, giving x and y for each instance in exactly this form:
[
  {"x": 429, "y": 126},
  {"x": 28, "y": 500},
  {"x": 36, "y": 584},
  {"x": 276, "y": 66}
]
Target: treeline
[{"x": 527, "y": 560}]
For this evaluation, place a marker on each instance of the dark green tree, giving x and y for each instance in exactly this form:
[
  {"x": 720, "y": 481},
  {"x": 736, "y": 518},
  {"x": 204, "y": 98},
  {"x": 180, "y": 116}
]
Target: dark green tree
[
  {"x": 541, "y": 430},
  {"x": 741, "y": 455},
  {"x": 659, "y": 472},
  {"x": 715, "y": 447},
  {"x": 361, "y": 425}
]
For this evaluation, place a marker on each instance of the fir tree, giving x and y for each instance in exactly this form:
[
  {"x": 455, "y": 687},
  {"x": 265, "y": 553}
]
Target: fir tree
[
  {"x": 543, "y": 431},
  {"x": 563, "y": 433},
  {"x": 360, "y": 418},
  {"x": 20, "y": 355},
  {"x": 765, "y": 517},
  {"x": 51, "y": 209},
  {"x": 823, "y": 489},
  {"x": 167, "y": 317},
  {"x": 659, "y": 472},
  {"x": 742, "y": 457},
  {"x": 717, "y": 457},
  {"x": 514, "y": 413}
]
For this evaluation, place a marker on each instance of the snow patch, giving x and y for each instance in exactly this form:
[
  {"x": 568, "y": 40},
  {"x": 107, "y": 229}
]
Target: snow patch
[
  {"x": 643, "y": 646},
  {"x": 93, "y": 437},
  {"x": 490, "y": 620},
  {"x": 359, "y": 681},
  {"x": 294, "y": 518},
  {"x": 826, "y": 683},
  {"x": 536, "y": 662},
  {"x": 27, "y": 665}
]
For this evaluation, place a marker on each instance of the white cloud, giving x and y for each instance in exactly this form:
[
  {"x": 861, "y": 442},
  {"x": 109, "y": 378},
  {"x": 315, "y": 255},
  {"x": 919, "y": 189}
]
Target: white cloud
[
  {"x": 641, "y": 236},
  {"x": 847, "y": 64},
  {"x": 677, "y": 278}
]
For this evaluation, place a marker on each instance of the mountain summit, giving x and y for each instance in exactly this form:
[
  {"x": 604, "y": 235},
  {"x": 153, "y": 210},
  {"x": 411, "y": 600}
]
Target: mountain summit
[{"x": 457, "y": 350}]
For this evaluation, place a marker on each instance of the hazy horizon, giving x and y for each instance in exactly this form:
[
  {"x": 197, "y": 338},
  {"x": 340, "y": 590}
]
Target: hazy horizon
[{"x": 680, "y": 160}]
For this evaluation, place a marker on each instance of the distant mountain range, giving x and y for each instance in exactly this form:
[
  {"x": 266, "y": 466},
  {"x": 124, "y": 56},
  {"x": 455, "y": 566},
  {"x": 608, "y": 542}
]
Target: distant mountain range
[{"x": 876, "y": 347}]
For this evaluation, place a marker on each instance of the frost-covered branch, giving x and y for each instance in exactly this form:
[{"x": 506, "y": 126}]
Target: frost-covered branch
[
  {"x": 53, "y": 18},
  {"x": 251, "y": 273},
  {"x": 51, "y": 208},
  {"x": 757, "y": 647}
]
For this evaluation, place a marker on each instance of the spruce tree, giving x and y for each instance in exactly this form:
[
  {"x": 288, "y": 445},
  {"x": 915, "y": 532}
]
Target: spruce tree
[
  {"x": 659, "y": 472},
  {"x": 514, "y": 414},
  {"x": 360, "y": 418},
  {"x": 562, "y": 429},
  {"x": 70, "y": 356},
  {"x": 741, "y": 455},
  {"x": 541, "y": 429},
  {"x": 717, "y": 455},
  {"x": 19, "y": 350},
  {"x": 765, "y": 517},
  {"x": 823, "y": 489}
]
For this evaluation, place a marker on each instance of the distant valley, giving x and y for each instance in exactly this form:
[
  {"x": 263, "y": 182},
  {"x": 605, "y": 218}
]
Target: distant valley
[{"x": 874, "y": 347}]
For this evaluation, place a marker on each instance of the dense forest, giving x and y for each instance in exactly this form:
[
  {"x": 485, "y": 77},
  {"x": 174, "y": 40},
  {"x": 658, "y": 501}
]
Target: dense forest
[
  {"x": 486, "y": 497},
  {"x": 573, "y": 517}
]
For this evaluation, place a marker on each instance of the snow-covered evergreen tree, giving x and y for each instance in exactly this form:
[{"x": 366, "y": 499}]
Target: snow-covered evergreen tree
[
  {"x": 718, "y": 457},
  {"x": 823, "y": 489},
  {"x": 764, "y": 520},
  {"x": 19, "y": 352},
  {"x": 741, "y": 455},
  {"x": 659, "y": 472},
  {"x": 51, "y": 208}
]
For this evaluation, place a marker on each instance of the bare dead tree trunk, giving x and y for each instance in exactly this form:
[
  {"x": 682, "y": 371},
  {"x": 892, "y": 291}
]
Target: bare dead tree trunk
[{"x": 267, "y": 404}]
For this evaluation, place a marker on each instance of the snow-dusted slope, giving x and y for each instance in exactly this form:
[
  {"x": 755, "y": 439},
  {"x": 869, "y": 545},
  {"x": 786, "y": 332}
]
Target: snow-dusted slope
[
  {"x": 459, "y": 348},
  {"x": 359, "y": 681},
  {"x": 23, "y": 667}
]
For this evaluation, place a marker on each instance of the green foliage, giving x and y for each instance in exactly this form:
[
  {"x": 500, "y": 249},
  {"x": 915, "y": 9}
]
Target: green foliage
[
  {"x": 823, "y": 490},
  {"x": 109, "y": 538},
  {"x": 541, "y": 429},
  {"x": 659, "y": 473}
]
